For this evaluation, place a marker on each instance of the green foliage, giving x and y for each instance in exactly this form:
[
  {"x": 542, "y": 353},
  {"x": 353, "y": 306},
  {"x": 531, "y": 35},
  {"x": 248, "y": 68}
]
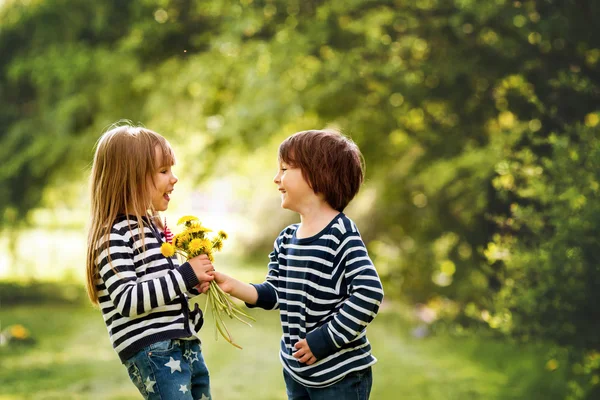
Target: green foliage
[
  {"x": 548, "y": 251},
  {"x": 34, "y": 292}
]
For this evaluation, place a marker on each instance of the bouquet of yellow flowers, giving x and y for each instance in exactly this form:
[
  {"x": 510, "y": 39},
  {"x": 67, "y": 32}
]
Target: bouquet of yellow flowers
[{"x": 192, "y": 242}]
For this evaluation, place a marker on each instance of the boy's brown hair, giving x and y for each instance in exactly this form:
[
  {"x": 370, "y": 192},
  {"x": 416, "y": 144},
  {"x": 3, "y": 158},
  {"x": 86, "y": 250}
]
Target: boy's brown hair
[{"x": 330, "y": 162}]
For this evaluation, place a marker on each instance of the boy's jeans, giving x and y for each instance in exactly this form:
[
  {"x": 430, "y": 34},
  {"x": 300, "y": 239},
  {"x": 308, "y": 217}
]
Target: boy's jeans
[
  {"x": 355, "y": 386},
  {"x": 171, "y": 369}
]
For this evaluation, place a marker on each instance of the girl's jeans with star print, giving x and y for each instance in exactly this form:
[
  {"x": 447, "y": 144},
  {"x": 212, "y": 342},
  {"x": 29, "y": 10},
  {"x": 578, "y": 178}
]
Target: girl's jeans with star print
[{"x": 171, "y": 369}]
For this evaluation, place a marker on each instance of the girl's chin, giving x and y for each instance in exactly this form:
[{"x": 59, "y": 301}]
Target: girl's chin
[{"x": 162, "y": 206}]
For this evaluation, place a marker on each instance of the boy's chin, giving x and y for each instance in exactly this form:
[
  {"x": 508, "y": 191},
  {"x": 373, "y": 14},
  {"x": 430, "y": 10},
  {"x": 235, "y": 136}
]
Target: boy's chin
[{"x": 288, "y": 207}]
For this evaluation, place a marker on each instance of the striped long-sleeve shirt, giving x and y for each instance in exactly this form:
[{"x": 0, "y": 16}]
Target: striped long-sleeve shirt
[
  {"x": 327, "y": 291},
  {"x": 143, "y": 295}
]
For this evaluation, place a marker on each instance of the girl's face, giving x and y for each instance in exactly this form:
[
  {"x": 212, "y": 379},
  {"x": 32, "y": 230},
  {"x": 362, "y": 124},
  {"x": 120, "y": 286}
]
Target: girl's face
[
  {"x": 294, "y": 189},
  {"x": 164, "y": 181}
]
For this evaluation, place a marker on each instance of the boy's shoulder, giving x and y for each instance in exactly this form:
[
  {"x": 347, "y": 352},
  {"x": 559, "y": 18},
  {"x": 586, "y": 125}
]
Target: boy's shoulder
[
  {"x": 342, "y": 226},
  {"x": 288, "y": 231}
]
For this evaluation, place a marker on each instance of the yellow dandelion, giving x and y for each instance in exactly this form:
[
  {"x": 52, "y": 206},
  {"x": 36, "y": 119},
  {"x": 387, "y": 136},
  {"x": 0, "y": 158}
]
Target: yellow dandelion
[
  {"x": 19, "y": 332},
  {"x": 192, "y": 225},
  {"x": 197, "y": 228},
  {"x": 217, "y": 244},
  {"x": 210, "y": 256},
  {"x": 180, "y": 239},
  {"x": 223, "y": 235},
  {"x": 167, "y": 249},
  {"x": 195, "y": 245},
  {"x": 186, "y": 218}
]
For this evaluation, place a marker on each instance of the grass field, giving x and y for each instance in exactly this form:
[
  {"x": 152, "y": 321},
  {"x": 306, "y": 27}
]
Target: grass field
[{"x": 72, "y": 359}]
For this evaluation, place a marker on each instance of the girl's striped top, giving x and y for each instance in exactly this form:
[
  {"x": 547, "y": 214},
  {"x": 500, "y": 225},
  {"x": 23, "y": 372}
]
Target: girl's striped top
[
  {"x": 143, "y": 295},
  {"x": 327, "y": 291}
]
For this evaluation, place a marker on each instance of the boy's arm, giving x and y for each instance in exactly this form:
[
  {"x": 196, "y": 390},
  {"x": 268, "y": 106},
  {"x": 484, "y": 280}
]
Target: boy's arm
[
  {"x": 262, "y": 295},
  {"x": 238, "y": 289},
  {"x": 358, "y": 310},
  {"x": 267, "y": 291}
]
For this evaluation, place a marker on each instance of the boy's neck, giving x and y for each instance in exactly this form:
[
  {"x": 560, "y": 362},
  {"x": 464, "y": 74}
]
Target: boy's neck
[{"x": 312, "y": 221}]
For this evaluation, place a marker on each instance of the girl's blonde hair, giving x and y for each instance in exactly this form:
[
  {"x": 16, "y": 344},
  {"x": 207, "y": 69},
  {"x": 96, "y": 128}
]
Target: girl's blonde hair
[{"x": 120, "y": 183}]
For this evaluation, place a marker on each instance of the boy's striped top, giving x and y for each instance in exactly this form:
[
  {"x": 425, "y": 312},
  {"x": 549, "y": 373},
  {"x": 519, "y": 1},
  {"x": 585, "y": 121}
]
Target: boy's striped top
[
  {"x": 327, "y": 291},
  {"x": 143, "y": 295}
]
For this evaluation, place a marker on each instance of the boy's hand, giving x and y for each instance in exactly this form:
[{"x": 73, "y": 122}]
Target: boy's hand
[
  {"x": 224, "y": 281},
  {"x": 303, "y": 353}
]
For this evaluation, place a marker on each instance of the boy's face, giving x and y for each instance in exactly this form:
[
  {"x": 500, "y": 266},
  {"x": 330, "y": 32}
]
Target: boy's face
[{"x": 295, "y": 191}]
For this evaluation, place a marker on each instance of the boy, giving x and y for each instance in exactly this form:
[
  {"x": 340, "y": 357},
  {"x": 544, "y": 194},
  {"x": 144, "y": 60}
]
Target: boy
[{"x": 320, "y": 275}]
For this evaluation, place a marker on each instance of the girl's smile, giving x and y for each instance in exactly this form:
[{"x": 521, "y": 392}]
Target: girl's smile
[{"x": 164, "y": 181}]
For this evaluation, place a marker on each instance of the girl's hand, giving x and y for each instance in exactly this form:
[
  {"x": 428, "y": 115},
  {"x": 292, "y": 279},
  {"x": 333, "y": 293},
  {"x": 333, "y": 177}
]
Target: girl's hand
[
  {"x": 203, "y": 268},
  {"x": 203, "y": 287},
  {"x": 303, "y": 352}
]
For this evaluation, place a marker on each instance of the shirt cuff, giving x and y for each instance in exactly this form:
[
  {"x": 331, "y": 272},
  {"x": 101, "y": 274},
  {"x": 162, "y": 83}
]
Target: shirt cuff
[
  {"x": 267, "y": 298},
  {"x": 320, "y": 343},
  {"x": 188, "y": 274}
]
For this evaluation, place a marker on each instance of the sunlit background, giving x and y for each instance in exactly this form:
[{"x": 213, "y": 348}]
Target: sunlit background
[{"x": 478, "y": 121}]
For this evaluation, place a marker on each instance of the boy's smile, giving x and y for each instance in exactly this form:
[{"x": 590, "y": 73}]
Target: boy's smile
[{"x": 293, "y": 188}]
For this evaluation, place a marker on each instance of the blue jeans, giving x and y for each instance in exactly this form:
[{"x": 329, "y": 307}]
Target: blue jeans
[
  {"x": 355, "y": 386},
  {"x": 171, "y": 369}
]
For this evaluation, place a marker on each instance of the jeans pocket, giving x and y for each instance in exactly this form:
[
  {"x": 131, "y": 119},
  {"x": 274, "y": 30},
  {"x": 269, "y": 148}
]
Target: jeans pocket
[
  {"x": 361, "y": 383},
  {"x": 136, "y": 377},
  {"x": 164, "y": 346}
]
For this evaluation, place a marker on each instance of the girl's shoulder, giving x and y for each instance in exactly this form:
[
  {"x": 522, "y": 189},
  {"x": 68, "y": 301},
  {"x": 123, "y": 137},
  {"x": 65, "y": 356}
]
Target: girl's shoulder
[{"x": 125, "y": 224}]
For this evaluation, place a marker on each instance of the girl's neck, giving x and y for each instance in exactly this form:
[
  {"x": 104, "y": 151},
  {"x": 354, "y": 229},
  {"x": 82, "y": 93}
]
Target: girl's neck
[{"x": 313, "y": 220}]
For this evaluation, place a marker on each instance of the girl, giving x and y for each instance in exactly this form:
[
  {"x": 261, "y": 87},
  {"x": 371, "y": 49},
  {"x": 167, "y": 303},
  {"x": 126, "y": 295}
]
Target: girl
[
  {"x": 142, "y": 294},
  {"x": 320, "y": 275}
]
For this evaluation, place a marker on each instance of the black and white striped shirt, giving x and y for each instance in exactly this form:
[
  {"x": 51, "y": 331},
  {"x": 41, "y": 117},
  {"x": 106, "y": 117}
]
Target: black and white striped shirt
[
  {"x": 327, "y": 291},
  {"x": 143, "y": 295}
]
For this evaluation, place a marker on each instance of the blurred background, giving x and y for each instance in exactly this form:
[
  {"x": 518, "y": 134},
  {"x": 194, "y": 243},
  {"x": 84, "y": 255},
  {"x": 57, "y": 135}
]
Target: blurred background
[{"x": 478, "y": 121}]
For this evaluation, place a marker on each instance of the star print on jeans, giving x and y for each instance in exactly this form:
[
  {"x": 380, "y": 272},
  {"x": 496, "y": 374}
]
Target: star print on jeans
[
  {"x": 175, "y": 365},
  {"x": 183, "y": 388},
  {"x": 150, "y": 385},
  {"x": 191, "y": 356},
  {"x": 204, "y": 397}
]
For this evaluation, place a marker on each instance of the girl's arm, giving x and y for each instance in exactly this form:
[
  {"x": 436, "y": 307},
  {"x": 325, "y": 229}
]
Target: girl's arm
[{"x": 131, "y": 296}]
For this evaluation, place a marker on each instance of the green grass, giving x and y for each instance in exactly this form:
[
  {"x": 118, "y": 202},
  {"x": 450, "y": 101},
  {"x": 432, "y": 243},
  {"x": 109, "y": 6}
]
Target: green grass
[{"x": 72, "y": 359}]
